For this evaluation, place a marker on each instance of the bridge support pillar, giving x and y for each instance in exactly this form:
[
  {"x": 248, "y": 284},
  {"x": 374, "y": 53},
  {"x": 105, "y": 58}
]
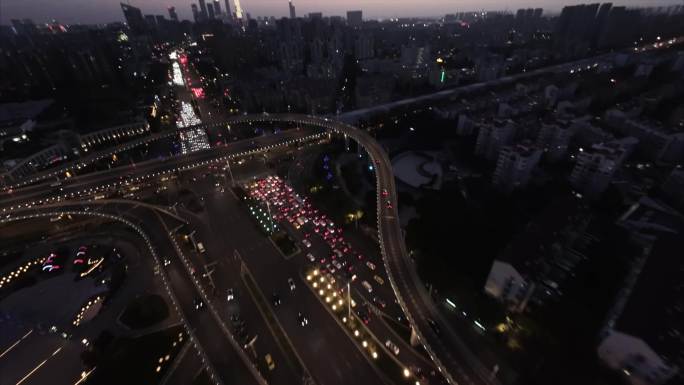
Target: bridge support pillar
[{"x": 414, "y": 338}]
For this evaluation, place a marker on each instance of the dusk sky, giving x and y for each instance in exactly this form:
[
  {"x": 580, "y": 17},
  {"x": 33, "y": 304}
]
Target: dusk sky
[{"x": 101, "y": 11}]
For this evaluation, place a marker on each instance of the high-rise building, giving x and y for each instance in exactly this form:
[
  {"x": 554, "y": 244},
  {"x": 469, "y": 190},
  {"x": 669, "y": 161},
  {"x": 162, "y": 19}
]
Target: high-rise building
[
  {"x": 238, "y": 10},
  {"x": 203, "y": 9},
  {"x": 315, "y": 15},
  {"x": 293, "y": 14},
  {"x": 195, "y": 13},
  {"x": 217, "y": 8},
  {"x": 554, "y": 140},
  {"x": 134, "y": 18},
  {"x": 492, "y": 137},
  {"x": 228, "y": 12},
  {"x": 595, "y": 167},
  {"x": 151, "y": 21},
  {"x": 515, "y": 165},
  {"x": 364, "y": 46},
  {"x": 648, "y": 350},
  {"x": 210, "y": 11},
  {"x": 354, "y": 18},
  {"x": 172, "y": 14}
]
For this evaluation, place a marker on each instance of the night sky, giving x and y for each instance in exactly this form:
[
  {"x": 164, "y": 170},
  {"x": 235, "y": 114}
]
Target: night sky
[{"x": 102, "y": 11}]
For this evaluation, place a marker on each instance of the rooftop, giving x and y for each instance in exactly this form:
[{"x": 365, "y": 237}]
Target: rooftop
[{"x": 655, "y": 309}]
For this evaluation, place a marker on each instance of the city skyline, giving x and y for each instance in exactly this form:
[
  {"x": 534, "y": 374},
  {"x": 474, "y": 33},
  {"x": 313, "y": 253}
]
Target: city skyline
[{"x": 104, "y": 11}]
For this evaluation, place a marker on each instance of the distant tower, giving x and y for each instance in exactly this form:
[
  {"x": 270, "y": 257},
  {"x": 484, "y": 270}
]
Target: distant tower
[
  {"x": 217, "y": 8},
  {"x": 195, "y": 13},
  {"x": 238, "y": 10},
  {"x": 293, "y": 14},
  {"x": 172, "y": 14},
  {"x": 228, "y": 12},
  {"x": 354, "y": 18},
  {"x": 203, "y": 9},
  {"x": 134, "y": 18}
]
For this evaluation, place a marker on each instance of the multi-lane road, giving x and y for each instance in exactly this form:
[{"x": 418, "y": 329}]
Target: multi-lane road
[{"x": 452, "y": 358}]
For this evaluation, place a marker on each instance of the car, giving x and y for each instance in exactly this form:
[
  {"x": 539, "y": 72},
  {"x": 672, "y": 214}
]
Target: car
[
  {"x": 307, "y": 243},
  {"x": 384, "y": 192},
  {"x": 81, "y": 254},
  {"x": 379, "y": 279},
  {"x": 389, "y": 205},
  {"x": 230, "y": 295},
  {"x": 379, "y": 302},
  {"x": 290, "y": 282},
  {"x": 269, "y": 362},
  {"x": 367, "y": 286},
  {"x": 199, "y": 304},
  {"x": 311, "y": 257},
  {"x": 301, "y": 318},
  {"x": 276, "y": 299},
  {"x": 52, "y": 263},
  {"x": 434, "y": 326},
  {"x": 330, "y": 268},
  {"x": 337, "y": 265},
  {"x": 370, "y": 265},
  {"x": 392, "y": 347},
  {"x": 363, "y": 315}
]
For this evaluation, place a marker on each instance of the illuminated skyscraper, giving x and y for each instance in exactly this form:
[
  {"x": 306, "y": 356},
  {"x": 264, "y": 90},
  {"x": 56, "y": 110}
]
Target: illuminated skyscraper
[{"x": 238, "y": 10}]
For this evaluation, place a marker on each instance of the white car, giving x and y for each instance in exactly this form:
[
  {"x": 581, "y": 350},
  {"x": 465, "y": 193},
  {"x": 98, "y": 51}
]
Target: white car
[
  {"x": 307, "y": 243},
  {"x": 311, "y": 257},
  {"x": 290, "y": 282},
  {"x": 370, "y": 265},
  {"x": 367, "y": 286},
  {"x": 392, "y": 347},
  {"x": 230, "y": 295}
]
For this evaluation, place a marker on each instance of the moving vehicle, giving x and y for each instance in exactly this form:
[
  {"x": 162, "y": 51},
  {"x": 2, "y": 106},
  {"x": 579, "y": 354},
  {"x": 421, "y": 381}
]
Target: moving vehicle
[
  {"x": 290, "y": 282},
  {"x": 434, "y": 326},
  {"x": 379, "y": 280},
  {"x": 370, "y": 265},
  {"x": 200, "y": 247},
  {"x": 392, "y": 347},
  {"x": 311, "y": 257},
  {"x": 307, "y": 243},
  {"x": 230, "y": 294},
  {"x": 301, "y": 318},
  {"x": 367, "y": 286},
  {"x": 269, "y": 362},
  {"x": 276, "y": 299},
  {"x": 199, "y": 304}
]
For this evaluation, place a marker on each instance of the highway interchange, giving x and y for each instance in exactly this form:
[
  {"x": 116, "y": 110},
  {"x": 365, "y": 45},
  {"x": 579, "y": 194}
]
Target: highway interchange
[{"x": 445, "y": 350}]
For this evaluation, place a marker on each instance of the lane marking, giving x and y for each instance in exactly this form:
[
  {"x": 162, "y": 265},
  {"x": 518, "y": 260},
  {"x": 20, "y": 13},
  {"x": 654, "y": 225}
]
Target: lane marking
[
  {"x": 16, "y": 343},
  {"x": 38, "y": 367}
]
